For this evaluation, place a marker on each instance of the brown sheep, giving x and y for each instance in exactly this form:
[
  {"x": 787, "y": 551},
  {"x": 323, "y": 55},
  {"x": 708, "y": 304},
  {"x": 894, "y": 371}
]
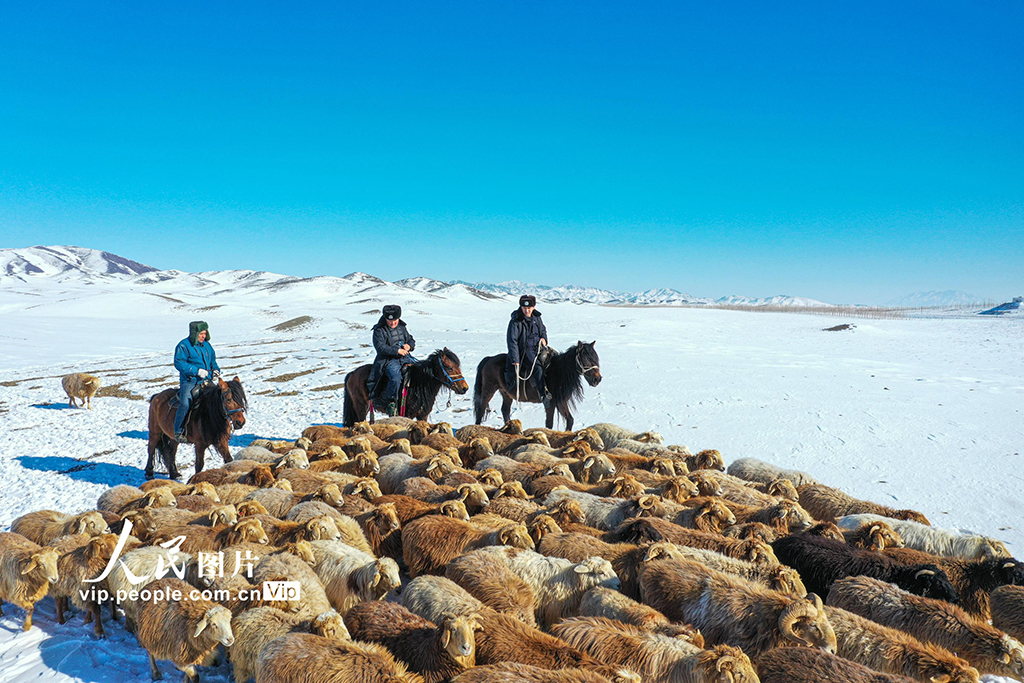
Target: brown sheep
[
  {"x": 651, "y": 529},
  {"x": 73, "y": 567},
  {"x": 509, "y": 672},
  {"x": 827, "y": 530},
  {"x": 429, "y": 543},
  {"x": 287, "y": 660},
  {"x": 81, "y": 386},
  {"x": 757, "y": 531},
  {"x": 611, "y": 604},
  {"x": 256, "y": 628},
  {"x": 325, "y": 432},
  {"x": 777, "y": 577},
  {"x": 891, "y": 651},
  {"x": 706, "y": 483},
  {"x": 541, "y": 526},
  {"x": 501, "y": 638},
  {"x": 249, "y": 508},
  {"x": 784, "y": 516},
  {"x": 676, "y": 489},
  {"x": 934, "y": 621},
  {"x": 827, "y": 503},
  {"x": 27, "y": 571},
  {"x": 212, "y": 539},
  {"x": 731, "y": 610},
  {"x": 708, "y": 459},
  {"x": 44, "y": 526},
  {"x": 710, "y": 515},
  {"x": 876, "y": 536},
  {"x": 494, "y": 584},
  {"x": 803, "y": 665},
  {"x": 408, "y": 508},
  {"x": 1008, "y": 610},
  {"x": 280, "y": 532},
  {"x": 654, "y": 656},
  {"x": 435, "y": 652},
  {"x": 182, "y": 630}
]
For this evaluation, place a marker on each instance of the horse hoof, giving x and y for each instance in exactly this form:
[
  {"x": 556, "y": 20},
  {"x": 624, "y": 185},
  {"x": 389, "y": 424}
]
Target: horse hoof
[
  {"x": 149, "y": 474},
  {"x": 174, "y": 475}
]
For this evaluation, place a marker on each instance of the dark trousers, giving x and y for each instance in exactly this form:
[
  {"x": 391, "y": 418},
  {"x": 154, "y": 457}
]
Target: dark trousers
[
  {"x": 184, "y": 401},
  {"x": 536, "y": 379},
  {"x": 393, "y": 375}
]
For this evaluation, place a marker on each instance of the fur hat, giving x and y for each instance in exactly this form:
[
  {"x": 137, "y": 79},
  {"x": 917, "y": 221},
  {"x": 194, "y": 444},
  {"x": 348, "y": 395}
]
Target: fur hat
[
  {"x": 195, "y": 327},
  {"x": 527, "y": 300},
  {"x": 392, "y": 312}
]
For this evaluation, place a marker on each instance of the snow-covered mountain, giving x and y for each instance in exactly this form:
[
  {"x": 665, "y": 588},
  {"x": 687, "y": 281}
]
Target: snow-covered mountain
[
  {"x": 933, "y": 299},
  {"x": 70, "y": 266},
  {"x": 61, "y": 263}
]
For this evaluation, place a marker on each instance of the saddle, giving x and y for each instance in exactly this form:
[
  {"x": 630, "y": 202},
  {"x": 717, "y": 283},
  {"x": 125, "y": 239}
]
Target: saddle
[{"x": 191, "y": 406}]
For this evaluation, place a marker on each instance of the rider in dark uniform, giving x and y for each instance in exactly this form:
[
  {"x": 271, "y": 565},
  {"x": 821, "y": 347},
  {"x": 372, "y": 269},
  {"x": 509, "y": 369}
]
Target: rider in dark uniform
[
  {"x": 393, "y": 343},
  {"x": 526, "y": 334}
]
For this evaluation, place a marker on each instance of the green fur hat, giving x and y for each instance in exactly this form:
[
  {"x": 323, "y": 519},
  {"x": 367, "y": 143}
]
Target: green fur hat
[{"x": 195, "y": 327}]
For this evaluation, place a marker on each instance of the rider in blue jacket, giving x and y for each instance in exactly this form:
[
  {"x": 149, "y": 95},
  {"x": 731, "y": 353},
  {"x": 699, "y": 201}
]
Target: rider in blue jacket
[{"x": 195, "y": 360}]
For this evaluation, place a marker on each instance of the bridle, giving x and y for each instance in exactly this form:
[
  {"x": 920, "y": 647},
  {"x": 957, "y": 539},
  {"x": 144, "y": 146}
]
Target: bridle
[
  {"x": 586, "y": 369},
  {"x": 452, "y": 380}
]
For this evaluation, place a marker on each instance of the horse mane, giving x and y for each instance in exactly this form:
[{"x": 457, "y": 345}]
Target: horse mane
[
  {"x": 423, "y": 385},
  {"x": 209, "y": 408},
  {"x": 563, "y": 378}
]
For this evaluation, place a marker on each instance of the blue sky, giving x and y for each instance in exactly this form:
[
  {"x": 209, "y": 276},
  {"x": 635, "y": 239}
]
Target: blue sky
[{"x": 850, "y": 153}]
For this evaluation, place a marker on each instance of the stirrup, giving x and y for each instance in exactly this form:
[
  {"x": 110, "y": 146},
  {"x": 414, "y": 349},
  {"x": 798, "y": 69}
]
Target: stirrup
[
  {"x": 392, "y": 408},
  {"x": 180, "y": 437}
]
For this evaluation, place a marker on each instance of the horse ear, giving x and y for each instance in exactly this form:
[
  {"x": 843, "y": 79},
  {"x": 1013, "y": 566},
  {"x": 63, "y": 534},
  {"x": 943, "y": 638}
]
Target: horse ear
[
  {"x": 591, "y": 344},
  {"x": 579, "y": 344},
  {"x": 236, "y": 379}
]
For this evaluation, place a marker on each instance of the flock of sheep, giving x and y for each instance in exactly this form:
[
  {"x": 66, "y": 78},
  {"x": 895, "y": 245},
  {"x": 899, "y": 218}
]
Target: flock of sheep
[{"x": 500, "y": 555}]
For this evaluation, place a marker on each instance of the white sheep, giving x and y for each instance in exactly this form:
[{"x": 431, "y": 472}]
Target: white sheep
[
  {"x": 558, "y": 585},
  {"x": 613, "y": 436},
  {"x": 604, "y": 513},
  {"x": 931, "y": 539},
  {"x": 753, "y": 469},
  {"x": 351, "y": 576}
]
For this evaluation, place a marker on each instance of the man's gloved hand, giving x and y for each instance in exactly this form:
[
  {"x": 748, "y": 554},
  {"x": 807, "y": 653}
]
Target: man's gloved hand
[
  {"x": 216, "y": 374},
  {"x": 202, "y": 373}
]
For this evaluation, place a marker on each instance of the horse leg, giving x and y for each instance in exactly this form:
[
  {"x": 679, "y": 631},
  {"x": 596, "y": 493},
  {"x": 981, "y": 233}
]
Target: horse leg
[
  {"x": 563, "y": 410},
  {"x": 154, "y": 439},
  {"x": 481, "y": 401},
  {"x": 506, "y": 407},
  {"x": 169, "y": 451},
  {"x": 201, "y": 447},
  {"x": 222, "y": 448}
]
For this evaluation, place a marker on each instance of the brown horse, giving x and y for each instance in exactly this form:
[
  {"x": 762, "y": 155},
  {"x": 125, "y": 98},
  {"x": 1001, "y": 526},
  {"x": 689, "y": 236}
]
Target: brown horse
[
  {"x": 425, "y": 378},
  {"x": 562, "y": 372},
  {"x": 219, "y": 408}
]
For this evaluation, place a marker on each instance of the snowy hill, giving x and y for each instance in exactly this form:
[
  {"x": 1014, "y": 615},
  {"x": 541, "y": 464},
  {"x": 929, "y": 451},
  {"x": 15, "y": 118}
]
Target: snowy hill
[
  {"x": 1009, "y": 308},
  {"x": 71, "y": 266},
  {"x": 948, "y": 298},
  {"x": 23, "y": 265}
]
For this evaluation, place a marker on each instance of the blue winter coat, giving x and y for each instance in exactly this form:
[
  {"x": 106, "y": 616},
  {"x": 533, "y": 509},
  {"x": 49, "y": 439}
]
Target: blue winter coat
[{"x": 189, "y": 357}]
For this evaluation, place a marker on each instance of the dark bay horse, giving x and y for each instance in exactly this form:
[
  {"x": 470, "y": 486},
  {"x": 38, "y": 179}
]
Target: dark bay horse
[
  {"x": 219, "y": 408},
  {"x": 562, "y": 372},
  {"x": 425, "y": 379}
]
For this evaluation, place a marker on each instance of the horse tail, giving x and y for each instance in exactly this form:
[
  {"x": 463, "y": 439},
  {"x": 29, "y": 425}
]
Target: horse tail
[
  {"x": 167, "y": 449},
  {"x": 349, "y": 411},
  {"x": 479, "y": 406}
]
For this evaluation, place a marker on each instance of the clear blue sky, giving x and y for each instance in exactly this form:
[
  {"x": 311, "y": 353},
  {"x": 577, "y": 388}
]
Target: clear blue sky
[{"x": 846, "y": 152}]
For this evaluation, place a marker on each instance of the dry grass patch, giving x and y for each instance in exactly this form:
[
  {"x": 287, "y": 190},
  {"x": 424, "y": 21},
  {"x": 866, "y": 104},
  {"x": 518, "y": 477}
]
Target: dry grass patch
[
  {"x": 329, "y": 387},
  {"x": 301, "y": 321},
  {"x": 289, "y": 376},
  {"x": 117, "y": 391}
]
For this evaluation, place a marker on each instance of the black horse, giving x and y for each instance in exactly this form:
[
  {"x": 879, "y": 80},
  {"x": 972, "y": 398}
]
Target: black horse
[
  {"x": 217, "y": 410},
  {"x": 562, "y": 372},
  {"x": 423, "y": 379}
]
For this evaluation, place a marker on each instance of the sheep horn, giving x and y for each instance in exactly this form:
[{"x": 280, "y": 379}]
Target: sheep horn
[
  {"x": 798, "y": 610},
  {"x": 1009, "y": 565},
  {"x": 722, "y": 661},
  {"x": 924, "y": 572}
]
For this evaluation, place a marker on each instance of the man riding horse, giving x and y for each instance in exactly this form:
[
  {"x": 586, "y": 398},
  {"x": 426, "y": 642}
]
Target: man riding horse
[
  {"x": 525, "y": 336},
  {"x": 394, "y": 344},
  {"x": 194, "y": 360}
]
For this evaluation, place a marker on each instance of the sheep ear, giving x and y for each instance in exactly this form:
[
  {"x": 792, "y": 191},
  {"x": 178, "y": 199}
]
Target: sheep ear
[
  {"x": 924, "y": 572},
  {"x": 1004, "y": 658},
  {"x": 446, "y": 637},
  {"x": 376, "y": 579},
  {"x": 32, "y": 564},
  {"x": 200, "y": 626},
  {"x": 646, "y": 502},
  {"x": 432, "y": 466},
  {"x": 81, "y": 525},
  {"x": 940, "y": 678},
  {"x": 582, "y": 568},
  {"x": 589, "y": 462},
  {"x": 1009, "y": 565}
]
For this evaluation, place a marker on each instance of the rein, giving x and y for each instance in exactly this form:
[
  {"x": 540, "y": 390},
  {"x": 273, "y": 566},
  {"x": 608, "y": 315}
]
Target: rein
[{"x": 585, "y": 370}]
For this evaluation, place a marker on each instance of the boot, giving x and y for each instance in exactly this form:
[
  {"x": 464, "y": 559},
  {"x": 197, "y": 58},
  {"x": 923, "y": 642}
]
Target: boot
[{"x": 180, "y": 437}]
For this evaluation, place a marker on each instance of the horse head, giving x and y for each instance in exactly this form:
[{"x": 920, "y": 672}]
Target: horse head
[
  {"x": 588, "y": 363},
  {"x": 233, "y": 399},
  {"x": 449, "y": 372}
]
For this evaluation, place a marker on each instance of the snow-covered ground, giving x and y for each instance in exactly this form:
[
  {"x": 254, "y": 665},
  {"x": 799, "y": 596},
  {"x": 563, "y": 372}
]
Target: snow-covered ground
[{"x": 919, "y": 413}]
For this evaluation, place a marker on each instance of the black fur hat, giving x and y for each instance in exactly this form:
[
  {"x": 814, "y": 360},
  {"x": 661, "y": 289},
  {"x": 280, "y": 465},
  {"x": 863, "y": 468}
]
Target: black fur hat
[
  {"x": 392, "y": 312},
  {"x": 527, "y": 300}
]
